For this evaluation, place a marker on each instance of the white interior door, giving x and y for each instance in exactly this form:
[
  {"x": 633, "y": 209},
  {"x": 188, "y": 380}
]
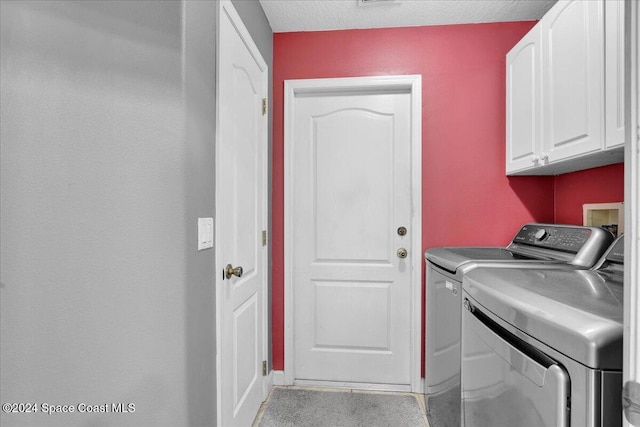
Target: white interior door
[
  {"x": 240, "y": 216},
  {"x": 352, "y": 188}
]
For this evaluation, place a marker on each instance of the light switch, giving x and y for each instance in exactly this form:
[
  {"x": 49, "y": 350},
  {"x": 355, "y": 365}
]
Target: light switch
[{"x": 205, "y": 233}]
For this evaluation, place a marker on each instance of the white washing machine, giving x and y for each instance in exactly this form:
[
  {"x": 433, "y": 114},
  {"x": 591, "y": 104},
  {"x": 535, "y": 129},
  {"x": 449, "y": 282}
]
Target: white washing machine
[
  {"x": 543, "y": 348},
  {"x": 534, "y": 245}
]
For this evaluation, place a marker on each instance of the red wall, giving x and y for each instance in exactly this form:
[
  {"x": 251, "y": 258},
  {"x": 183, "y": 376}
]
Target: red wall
[
  {"x": 598, "y": 185},
  {"x": 467, "y": 200}
]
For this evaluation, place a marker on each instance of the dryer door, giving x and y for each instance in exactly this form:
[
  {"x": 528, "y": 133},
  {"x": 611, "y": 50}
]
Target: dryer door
[{"x": 506, "y": 381}]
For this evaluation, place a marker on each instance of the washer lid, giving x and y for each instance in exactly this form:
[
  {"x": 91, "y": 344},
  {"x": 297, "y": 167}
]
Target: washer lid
[
  {"x": 451, "y": 258},
  {"x": 577, "y": 312}
]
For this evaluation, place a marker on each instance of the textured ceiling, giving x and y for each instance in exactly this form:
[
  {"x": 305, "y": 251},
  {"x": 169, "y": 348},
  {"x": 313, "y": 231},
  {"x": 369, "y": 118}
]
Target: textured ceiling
[{"x": 318, "y": 15}]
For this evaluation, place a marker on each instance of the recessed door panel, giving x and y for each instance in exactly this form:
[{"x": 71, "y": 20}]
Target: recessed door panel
[
  {"x": 341, "y": 325},
  {"x": 245, "y": 110},
  {"x": 352, "y": 212},
  {"x": 245, "y": 350}
]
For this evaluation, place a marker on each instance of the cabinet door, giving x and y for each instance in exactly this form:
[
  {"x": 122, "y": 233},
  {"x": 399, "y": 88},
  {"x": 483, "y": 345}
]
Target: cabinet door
[
  {"x": 572, "y": 79},
  {"x": 614, "y": 73},
  {"x": 523, "y": 103}
]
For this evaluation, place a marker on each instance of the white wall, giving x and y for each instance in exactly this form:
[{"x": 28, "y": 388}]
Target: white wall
[{"x": 106, "y": 150}]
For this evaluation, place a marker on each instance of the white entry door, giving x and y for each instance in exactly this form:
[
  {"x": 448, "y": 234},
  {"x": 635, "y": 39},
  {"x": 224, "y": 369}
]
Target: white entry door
[
  {"x": 240, "y": 218},
  {"x": 353, "y": 235}
]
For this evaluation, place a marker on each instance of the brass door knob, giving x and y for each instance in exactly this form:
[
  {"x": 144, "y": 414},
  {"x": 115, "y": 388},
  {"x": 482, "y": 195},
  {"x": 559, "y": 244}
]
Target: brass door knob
[
  {"x": 402, "y": 253},
  {"x": 230, "y": 271}
]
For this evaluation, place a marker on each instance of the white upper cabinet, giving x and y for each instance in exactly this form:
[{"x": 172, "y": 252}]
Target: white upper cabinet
[
  {"x": 614, "y": 73},
  {"x": 524, "y": 139},
  {"x": 565, "y": 90},
  {"x": 572, "y": 79}
]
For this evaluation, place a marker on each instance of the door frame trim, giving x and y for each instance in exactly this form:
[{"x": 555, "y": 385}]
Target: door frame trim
[
  {"x": 631, "y": 340},
  {"x": 292, "y": 88},
  {"x": 225, "y": 6}
]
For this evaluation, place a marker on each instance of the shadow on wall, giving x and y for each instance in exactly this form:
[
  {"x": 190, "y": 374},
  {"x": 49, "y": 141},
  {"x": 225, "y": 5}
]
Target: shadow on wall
[
  {"x": 598, "y": 185},
  {"x": 542, "y": 187},
  {"x": 603, "y": 184}
]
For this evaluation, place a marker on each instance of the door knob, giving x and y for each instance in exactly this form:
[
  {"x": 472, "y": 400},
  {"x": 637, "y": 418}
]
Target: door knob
[
  {"x": 402, "y": 231},
  {"x": 402, "y": 253},
  {"x": 230, "y": 271}
]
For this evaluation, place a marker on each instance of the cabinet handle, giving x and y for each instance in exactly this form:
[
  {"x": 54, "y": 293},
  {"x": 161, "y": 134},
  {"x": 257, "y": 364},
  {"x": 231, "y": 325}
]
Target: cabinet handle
[
  {"x": 544, "y": 156},
  {"x": 535, "y": 159}
]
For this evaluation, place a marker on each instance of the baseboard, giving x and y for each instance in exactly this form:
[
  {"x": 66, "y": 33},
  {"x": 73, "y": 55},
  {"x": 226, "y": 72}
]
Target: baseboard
[
  {"x": 402, "y": 388},
  {"x": 268, "y": 385},
  {"x": 278, "y": 377}
]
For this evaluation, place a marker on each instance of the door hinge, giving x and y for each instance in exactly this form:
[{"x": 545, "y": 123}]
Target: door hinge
[
  {"x": 264, "y": 368},
  {"x": 264, "y": 106},
  {"x": 264, "y": 237}
]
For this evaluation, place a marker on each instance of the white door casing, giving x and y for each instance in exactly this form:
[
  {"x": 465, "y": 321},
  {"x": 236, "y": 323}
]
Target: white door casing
[
  {"x": 241, "y": 212},
  {"x": 352, "y": 177},
  {"x": 631, "y": 340}
]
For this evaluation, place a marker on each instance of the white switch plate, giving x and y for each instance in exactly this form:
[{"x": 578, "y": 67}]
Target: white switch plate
[{"x": 205, "y": 233}]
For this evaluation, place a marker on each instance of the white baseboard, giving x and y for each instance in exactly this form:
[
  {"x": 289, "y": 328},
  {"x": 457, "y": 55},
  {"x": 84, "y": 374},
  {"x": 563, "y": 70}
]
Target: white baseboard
[
  {"x": 402, "y": 388},
  {"x": 278, "y": 377},
  {"x": 268, "y": 385}
]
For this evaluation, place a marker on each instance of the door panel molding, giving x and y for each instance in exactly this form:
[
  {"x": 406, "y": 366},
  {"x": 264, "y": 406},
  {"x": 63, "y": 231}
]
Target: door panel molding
[{"x": 411, "y": 84}]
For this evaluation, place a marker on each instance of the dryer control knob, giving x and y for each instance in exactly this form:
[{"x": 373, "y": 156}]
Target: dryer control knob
[{"x": 541, "y": 234}]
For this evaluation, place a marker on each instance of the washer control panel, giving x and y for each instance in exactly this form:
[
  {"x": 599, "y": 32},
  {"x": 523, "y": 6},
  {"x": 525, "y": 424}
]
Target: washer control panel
[
  {"x": 563, "y": 238},
  {"x": 616, "y": 251}
]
